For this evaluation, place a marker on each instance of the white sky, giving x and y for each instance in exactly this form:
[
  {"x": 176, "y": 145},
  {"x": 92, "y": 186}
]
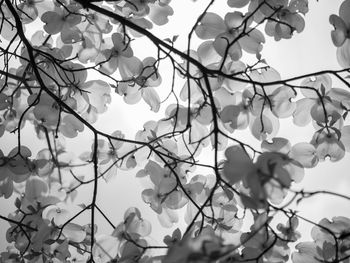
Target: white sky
[{"x": 312, "y": 50}]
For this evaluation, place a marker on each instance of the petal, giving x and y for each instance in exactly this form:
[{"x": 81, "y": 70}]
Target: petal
[
  {"x": 151, "y": 97},
  {"x": 278, "y": 144},
  {"x": 305, "y": 154},
  {"x": 236, "y": 116},
  {"x": 237, "y": 3},
  {"x": 207, "y": 53},
  {"x": 74, "y": 232},
  {"x": 264, "y": 127},
  {"x": 344, "y": 12},
  {"x": 237, "y": 165},
  {"x": 343, "y": 54},
  {"x": 99, "y": 94},
  {"x": 210, "y": 26},
  {"x": 58, "y": 213},
  {"x": 70, "y": 126},
  {"x": 105, "y": 248},
  {"x": 159, "y": 13},
  {"x": 301, "y": 115},
  {"x": 339, "y": 32},
  {"x": 35, "y": 188},
  {"x": 234, "y": 20},
  {"x": 71, "y": 35},
  {"x": 321, "y": 83},
  {"x": 53, "y": 22},
  {"x": 328, "y": 145},
  {"x": 130, "y": 67},
  {"x": 282, "y": 106},
  {"x": 168, "y": 218},
  {"x": 307, "y": 253},
  {"x": 345, "y": 137},
  {"x": 223, "y": 42},
  {"x": 252, "y": 43}
]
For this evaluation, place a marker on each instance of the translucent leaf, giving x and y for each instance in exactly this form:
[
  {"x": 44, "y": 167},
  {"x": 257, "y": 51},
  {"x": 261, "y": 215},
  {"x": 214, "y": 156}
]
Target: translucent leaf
[
  {"x": 132, "y": 94},
  {"x": 282, "y": 105},
  {"x": 236, "y": 115},
  {"x": 207, "y": 53},
  {"x": 321, "y": 83},
  {"x": 105, "y": 248},
  {"x": 151, "y": 97},
  {"x": 99, "y": 94},
  {"x": 53, "y": 22},
  {"x": 74, "y": 232},
  {"x": 131, "y": 67},
  {"x": 339, "y": 226},
  {"x": 345, "y": 137},
  {"x": 70, "y": 126},
  {"x": 252, "y": 43},
  {"x": 149, "y": 196},
  {"x": 168, "y": 218},
  {"x": 343, "y": 54},
  {"x": 238, "y": 164},
  {"x": 305, "y": 154},
  {"x": 8, "y": 31},
  {"x": 225, "y": 44},
  {"x": 210, "y": 26},
  {"x": 19, "y": 163},
  {"x": 130, "y": 251},
  {"x": 266, "y": 75},
  {"x": 134, "y": 223},
  {"x": 278, "y": 144},
  {"x": 340, "y": 95},
  {"x": 71, "y": 35},
  {"x": 237, "y": 3},
  {"x": 175, "y": 237},
  {"x": 344, "y": 12},
  {"x": 299, "y": 5},
  {"x": 109, "y": 63},
  {"x": 233, "y": 19},
  {"x": 39, "y": 37},
  {"x": 301, "y": 115},
  {"x": 339, "y": 32},
  {"x": 159, "y": 13},
  {"x": 234, "y": 67},
  {"x": 142, "y": 22},
  {"x": 59, "y": 213},
  {"x": 328, "y": 145},
  {"x": 6, "y": 188},
  {"x": 264, "y": 127},
  {"x": 36, "y": 187}
]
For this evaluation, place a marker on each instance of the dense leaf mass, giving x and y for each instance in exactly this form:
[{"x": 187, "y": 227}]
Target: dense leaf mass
[{"x": 64, "y": 62}]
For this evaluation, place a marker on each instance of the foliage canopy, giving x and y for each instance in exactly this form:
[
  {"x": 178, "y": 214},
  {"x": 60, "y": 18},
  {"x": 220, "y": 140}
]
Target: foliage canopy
[{"x": 63, "y": 59}]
